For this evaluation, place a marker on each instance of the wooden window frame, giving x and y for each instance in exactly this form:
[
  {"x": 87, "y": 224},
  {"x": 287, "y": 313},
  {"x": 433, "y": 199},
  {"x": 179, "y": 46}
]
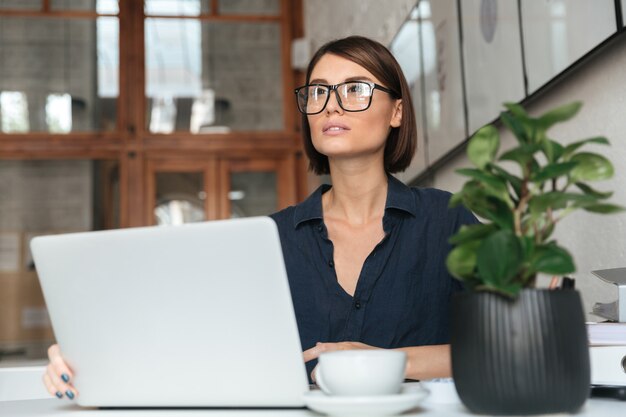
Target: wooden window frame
[
  {"x": 210, "y": 183},
  {"x": 134, "y": 147}
]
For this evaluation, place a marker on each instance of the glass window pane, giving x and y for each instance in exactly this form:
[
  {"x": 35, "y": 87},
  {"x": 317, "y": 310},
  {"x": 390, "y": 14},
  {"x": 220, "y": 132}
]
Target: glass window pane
[
  {"x": 43, "y": 60},
  {"x": 14, "y": 111},
  {"x": 99, "y": 6},
  {"x": 176, "y": 7},
  {"x": 249, "y": 7},
  {"x": 252, "y": 194},
  {"x": 59, "y": 113},
  {"x": 208, "y": 77},
  {"x": 552, "y": 35},
  {"x": 179, "y": 198},
  {"x": 42, "y": 198},
  {"x": 21, "y": 4}
]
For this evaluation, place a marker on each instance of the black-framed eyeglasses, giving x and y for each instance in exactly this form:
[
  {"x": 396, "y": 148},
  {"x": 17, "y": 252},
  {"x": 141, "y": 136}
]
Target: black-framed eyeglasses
[{"x": 352, "y": 96}]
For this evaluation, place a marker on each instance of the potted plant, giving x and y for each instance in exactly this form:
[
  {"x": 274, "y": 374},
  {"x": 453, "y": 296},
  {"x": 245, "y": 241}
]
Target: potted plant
[{"x": 516, "y": 349}]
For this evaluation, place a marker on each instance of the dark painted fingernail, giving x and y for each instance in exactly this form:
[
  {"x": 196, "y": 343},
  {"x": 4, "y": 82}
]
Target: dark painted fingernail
[
  {"x": 69, "y": 394},
  {"x": 59, "y": 394},
  {"x": 65, "y": 378}
]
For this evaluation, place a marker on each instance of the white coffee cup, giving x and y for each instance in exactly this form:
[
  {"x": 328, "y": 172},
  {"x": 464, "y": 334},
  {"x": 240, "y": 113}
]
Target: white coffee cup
[{"x": 361, "y": 372}]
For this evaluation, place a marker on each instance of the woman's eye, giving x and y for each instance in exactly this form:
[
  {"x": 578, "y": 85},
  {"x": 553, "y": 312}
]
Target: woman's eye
[{"x": 356, "y": 89}]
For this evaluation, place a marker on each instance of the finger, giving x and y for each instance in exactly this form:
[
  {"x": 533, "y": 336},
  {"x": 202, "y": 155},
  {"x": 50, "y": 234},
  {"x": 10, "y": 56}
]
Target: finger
[
  {"x": 320, "y": 348},
  {"x": 60, "y": 367},
  {"x": 71, "y": 392},
  {"x": 55, "y": 380},
  {"x": 60, "y": 385},
  {"x": 313, "y": 374},
  {"x": 53, "y": 351},
  {"x": 310, "y": 354},
  {"x": 50, "y": 386},
  {"x": 317, "y": 350}
]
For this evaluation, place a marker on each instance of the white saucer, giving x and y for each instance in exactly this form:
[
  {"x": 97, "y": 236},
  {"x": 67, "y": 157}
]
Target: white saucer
[
  {"x": 442, "y": 391},
  {"x": 375, "y": 405}
]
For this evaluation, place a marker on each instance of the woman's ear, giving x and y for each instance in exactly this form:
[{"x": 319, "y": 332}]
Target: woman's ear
[{"x": 396, "y": 118}]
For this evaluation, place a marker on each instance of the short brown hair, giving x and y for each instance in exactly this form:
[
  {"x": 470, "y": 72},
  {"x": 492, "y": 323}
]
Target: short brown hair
[{"x": 402, "y": 141}]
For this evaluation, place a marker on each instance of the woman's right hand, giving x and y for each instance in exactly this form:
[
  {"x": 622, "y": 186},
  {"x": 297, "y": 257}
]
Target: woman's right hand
[{"x": 58, "y": 376}]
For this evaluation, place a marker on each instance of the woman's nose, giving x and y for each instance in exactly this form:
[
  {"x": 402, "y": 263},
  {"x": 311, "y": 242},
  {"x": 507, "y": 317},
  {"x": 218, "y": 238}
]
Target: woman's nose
[{"x": 333, "y": 103}]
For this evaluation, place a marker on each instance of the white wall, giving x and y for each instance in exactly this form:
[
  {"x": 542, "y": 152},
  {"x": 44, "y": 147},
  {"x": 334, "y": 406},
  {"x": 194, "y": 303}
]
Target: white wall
[
  {"x": 325, "y": 20},
  {"x": 596, "y": 241}
]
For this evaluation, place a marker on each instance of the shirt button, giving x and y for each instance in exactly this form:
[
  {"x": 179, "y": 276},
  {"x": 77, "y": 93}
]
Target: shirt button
[
  {"x": 331, "y": 263},
  {"x": 320, "y": 228},
  {"x": 357, "y": 304}
]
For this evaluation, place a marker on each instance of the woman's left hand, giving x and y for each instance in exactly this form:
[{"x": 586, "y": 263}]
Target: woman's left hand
[{"x": 320, "y": 348}]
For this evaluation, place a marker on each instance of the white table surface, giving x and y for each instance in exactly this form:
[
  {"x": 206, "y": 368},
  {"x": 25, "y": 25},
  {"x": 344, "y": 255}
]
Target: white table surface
[{"x": 64, "y": 408}]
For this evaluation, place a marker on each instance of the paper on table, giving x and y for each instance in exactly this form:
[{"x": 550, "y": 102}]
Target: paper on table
[
  {"x": 608, "y": 365},
  {"x": 606, "y": 333}
]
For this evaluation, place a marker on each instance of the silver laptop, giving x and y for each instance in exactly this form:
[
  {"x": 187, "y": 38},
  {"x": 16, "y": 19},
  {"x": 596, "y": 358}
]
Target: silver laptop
[{"x": 197, "y": 315}]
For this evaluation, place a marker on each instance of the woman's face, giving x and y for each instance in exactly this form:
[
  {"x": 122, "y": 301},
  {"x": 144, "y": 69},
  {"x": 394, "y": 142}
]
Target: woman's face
[{"x": 339, "y": 134}]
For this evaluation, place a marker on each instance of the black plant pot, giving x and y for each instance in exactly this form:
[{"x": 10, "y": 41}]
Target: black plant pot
[{"x": 524, "y": 356}]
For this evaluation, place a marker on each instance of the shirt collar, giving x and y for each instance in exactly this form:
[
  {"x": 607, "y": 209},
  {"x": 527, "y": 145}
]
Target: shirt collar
[{"x": 399, "y": 197}]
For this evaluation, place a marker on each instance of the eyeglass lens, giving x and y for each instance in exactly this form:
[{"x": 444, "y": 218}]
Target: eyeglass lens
[{"x": 352, "y": 96}]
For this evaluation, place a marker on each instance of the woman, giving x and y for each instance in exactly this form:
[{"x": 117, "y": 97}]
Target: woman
[{"x": 365, "y": 257}]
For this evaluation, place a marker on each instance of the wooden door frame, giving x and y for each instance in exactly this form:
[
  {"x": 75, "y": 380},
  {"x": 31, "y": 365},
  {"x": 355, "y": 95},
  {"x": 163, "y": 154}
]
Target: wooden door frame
[
  {"x": 208, "y": 168},
  {"x": 283, "y": 166}
]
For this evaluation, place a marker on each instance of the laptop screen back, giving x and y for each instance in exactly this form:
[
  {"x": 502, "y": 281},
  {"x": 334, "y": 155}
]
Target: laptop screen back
[{"x": 193, "y": 315}]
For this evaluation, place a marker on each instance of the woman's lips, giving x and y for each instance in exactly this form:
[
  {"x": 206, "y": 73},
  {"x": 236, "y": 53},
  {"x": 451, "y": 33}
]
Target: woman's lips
[{"x": 333, "y": 128}]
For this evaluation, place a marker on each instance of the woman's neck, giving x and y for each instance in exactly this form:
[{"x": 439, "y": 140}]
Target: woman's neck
[{"x": 358, "y": 195}]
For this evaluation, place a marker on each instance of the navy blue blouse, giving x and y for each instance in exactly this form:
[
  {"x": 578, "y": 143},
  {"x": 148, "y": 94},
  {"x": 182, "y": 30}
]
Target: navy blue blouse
[{"x": 403, "y": 292}]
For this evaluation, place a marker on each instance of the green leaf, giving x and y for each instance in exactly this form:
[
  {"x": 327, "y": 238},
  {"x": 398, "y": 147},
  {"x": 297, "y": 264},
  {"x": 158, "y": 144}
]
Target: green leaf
[
  {"x": 515, "y": 182},
  {"x": 456, "y": 199},
  {"x": 517, "y": 110},
  {"x": 553, "y": 171},
  {"x": 572, "y": 147},
  {"x": 507, "y": 290},
  {"x": 476, "y": 199},
  {"x": 521, "y": 154},
  {"x": 548, "y": 232},
  {"x": 499, "y": 213},
  {"x": 528, "y": 246},
  {"x": 604, "y": 208},
  {"x": 557, "y": 200},
  {"x": 515, "y": 126},
  {"x": 591, "y": 167},
  {"x": 588, "y": 190},
  {"x": 552, "y": 150},
  {"x": 499, "y": 258},
  {"x": 483, "y": 146},
  {"x": 552, "y": 259},
  {"x": 493, "y": 185},
  {"x": 461, "y": 261},
  {"x": 468, "y": 233},
  {"x": 560, "y": 114}
]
